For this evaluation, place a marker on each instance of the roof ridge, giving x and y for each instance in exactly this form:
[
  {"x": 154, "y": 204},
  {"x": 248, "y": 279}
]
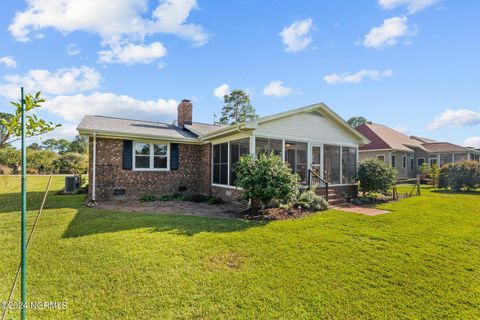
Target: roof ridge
[{"x": 118, "y": 118}]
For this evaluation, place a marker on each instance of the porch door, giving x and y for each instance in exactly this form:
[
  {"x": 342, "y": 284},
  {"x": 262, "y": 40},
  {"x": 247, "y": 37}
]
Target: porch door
[
  {"x": 331, "y": 164},
  {"x": 316, "y": 160}
]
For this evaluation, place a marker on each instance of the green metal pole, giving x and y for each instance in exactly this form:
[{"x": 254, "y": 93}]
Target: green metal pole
[{"x": 24, "y": 212}]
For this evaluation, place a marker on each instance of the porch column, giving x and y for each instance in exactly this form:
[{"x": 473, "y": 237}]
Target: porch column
[
  {"x": 341, "y": 166},
  {"x": 252, "y": 144},
  {"x": 321, "y": 162}
]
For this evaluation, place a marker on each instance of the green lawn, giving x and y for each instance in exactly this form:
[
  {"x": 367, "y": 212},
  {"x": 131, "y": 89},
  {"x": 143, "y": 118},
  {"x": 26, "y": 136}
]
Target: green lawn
[{"x": 420, "y": 261}]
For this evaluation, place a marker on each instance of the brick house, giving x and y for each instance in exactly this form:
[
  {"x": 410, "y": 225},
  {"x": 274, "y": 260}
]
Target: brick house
[{"x": 131, "y": 158}]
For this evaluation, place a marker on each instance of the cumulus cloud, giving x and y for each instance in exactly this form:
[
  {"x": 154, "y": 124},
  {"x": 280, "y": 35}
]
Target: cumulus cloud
[
  {"x": 118, "y": 23},
  {"x": 296, "y": 36},
  {"x": 472, "y": 142},
  {"x": 357, "y": 77},
  {"x": 8, "y": 62},
  {"x": 62, "y": 81},
  {"x": 457, "y": 118},
  {"x": 72, "y": 49},
  {"x": 413, "y": 6},
  {"x": 131, "y": 53},
  {"x": 73, "y": 108},
  {"x": 221, "y": 91},
  {"x": 276, "y": 89},
  {"x": 389, "y": 33}
]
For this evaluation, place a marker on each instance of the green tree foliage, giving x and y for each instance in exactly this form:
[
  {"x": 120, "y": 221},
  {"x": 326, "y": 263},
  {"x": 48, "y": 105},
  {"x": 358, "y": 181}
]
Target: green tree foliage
[
  {"x": 357, "y": 121},
  {"x": 237, "y": 108},
  {"x": 11, "y": 128},
  {"x": 10, "y": 157},
  {"x": 79, "y": 145},
  {"x": 376, "y": 176},
  {"x": 34, "y": 146},
  {"x": 43, "y": 161},
  {"x": 74, "y": 163},
  {"x": 460, "y": 175},
  {"x": 265, "y": 178}
]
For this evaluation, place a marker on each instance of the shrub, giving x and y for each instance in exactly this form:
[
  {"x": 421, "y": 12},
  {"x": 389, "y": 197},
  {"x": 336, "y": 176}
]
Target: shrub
[
  {"x": 265, "y": 178},
  {"x": 165, "y": 197},
  {"x": 460, "y": 175},
  {"x": 309, "y": 200},
  {"x": 376, "y": 176},
  {"x": 147, "y": 198},
  {"x": 43, "y": 161},
  {"x": 5, "y": 170},
  {"x": 214, "y": 200}
]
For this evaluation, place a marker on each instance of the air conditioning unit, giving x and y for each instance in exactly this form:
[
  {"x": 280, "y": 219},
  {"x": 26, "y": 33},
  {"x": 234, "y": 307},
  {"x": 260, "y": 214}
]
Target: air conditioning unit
[{"x": 72, "y": 183}]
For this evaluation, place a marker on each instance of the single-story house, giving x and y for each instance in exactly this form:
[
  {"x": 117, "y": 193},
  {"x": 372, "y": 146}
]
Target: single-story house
[
  {"x": 132, "y": 158},
  {"x": 408, "y": 153}
]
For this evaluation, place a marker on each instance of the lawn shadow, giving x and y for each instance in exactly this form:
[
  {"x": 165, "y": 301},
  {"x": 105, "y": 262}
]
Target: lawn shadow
[
  {"x": 89, "y": 221},
  {"x": 11, "y": 202}
]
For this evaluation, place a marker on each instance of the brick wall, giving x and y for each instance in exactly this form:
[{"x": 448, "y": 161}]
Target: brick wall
[{"x": 193, "y": 172}]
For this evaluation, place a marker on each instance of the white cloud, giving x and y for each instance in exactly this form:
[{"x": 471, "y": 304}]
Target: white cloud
[
  {"x": 118, "y": 23},
  {"x": 131, "y": 53},
  {"x": 276, "y": 89},
  {"x": 472, "y": 142},
  {"x": 296, "y": 36},
  {"x": 357, "y": 77},
  {"x": 8, "y": 62},
  {"x": 389, "y": 33},
  {"x": 62, "y": 81},
  {"x": 73, "y": 108},
  {"x": 457, "y": 118},
  {"x": 72, "y": 49},
  {"x": 413, "y": 6},
  {"x": 221, "y": 91}
]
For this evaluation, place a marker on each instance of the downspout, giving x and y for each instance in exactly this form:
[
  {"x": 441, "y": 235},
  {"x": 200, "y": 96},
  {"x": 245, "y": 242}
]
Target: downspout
[{"x": 93, "y": 202}]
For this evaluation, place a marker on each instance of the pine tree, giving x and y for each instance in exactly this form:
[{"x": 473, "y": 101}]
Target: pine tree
[{"x": 237, "y": 108}]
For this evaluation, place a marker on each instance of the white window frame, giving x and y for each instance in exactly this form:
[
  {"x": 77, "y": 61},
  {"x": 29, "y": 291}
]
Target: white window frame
[
  {"x": 151, "y": 156},
  {"x": 380, "y": 155}
]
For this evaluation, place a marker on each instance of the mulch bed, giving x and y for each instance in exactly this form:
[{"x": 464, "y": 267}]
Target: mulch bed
[{"x": 274, "y": 214}]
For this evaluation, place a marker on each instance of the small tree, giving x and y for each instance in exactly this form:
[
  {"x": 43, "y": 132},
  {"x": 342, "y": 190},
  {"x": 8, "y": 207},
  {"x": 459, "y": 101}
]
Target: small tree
[
  {"x": 376, "y": 176},
  {"x": 357, "y": 121},
  {"x": 42, "y": 160},
  {"x": 79, "y": 145},
  {"x": 265, "y": 178},
  {"x": 11, "y": 124},
  {"x": 237, "y": 108}
]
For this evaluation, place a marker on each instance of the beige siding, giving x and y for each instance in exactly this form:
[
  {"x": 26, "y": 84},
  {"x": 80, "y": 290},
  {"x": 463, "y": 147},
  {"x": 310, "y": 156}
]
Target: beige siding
[{"x": 307, "y": 127}]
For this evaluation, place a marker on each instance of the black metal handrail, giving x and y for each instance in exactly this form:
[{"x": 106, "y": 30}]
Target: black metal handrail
[{"x": 313, "y": 174}]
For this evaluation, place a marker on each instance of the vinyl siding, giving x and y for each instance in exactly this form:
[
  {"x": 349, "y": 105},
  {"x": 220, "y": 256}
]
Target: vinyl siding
[{"x": 311, "y": 127}]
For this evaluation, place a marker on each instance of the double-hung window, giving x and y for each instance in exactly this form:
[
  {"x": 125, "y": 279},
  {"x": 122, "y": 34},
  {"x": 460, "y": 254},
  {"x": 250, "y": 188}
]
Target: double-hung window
[{"x": 151, "y": 156}]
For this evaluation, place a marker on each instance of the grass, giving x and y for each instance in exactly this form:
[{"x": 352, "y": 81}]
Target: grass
[{"x": 420, "y": 261}]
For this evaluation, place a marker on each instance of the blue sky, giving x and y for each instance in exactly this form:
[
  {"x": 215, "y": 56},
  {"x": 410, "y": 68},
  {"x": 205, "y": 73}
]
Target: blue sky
[{"x": 410, "y": 64}]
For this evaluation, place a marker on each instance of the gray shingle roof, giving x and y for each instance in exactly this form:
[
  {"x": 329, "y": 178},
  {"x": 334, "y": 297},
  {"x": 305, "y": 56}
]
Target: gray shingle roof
[
  {"x": 111, "y": 125},
  {"x": 203, "y": 128},
  {"x": 445, "y": 147}
]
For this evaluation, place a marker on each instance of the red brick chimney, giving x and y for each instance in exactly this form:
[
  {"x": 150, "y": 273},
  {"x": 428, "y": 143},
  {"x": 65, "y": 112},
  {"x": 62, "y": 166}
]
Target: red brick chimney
[{"x": 184, "y": 113}]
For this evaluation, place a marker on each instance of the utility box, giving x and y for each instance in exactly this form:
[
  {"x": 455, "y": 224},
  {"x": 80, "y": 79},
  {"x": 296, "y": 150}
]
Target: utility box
[{"x": 72, "y": 183}]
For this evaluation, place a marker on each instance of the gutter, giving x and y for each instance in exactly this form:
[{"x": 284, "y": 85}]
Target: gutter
[{"x": 93, "y": 202}]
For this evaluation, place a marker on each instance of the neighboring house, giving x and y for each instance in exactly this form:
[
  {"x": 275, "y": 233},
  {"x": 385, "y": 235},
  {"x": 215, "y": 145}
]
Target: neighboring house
[
  {"x": 408, "y": 153},
  {"x": 131, "y": 158}
]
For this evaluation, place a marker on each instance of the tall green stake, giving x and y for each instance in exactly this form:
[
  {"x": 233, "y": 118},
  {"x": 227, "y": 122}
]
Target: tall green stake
[{"x": 24, "y": 212}]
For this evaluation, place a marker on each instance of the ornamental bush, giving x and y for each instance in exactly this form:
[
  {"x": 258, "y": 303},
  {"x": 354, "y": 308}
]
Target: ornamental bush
[
  {"x": 265, "y": 178},
  {"x": 376, "y": 176},
  {"x": 460, "y": 175},
  {"x": 309, "y": 200}
]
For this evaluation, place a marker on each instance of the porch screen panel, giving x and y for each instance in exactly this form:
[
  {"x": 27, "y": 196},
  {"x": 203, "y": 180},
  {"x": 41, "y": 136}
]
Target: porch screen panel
[
  {"x": 265, "y": 145},
  {"x": 446, "y": 158},
  {"x": 220, "y": 163},
  {"x": 349, "y": 164},
  {"x": 331, "y": 160},
  {"x": 461, "y": 157},
  {"x": 237, "y": 149},
  {"x": 296, "y": 156}
]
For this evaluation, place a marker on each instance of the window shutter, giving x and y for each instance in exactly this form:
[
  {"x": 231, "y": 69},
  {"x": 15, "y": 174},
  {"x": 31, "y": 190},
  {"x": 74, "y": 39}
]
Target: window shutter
[
  {"x": 174, "y": 156},
  {"x": 127, "y": 154}
]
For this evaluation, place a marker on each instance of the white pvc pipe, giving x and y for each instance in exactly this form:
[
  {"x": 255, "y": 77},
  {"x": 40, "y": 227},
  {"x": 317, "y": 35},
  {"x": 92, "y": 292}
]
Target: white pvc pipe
[{"x": 94, "y": 171}]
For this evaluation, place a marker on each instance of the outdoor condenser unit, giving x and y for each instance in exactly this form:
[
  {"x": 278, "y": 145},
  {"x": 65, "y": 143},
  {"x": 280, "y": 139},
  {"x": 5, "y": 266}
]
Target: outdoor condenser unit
[{"x": 72, "y": 183}]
